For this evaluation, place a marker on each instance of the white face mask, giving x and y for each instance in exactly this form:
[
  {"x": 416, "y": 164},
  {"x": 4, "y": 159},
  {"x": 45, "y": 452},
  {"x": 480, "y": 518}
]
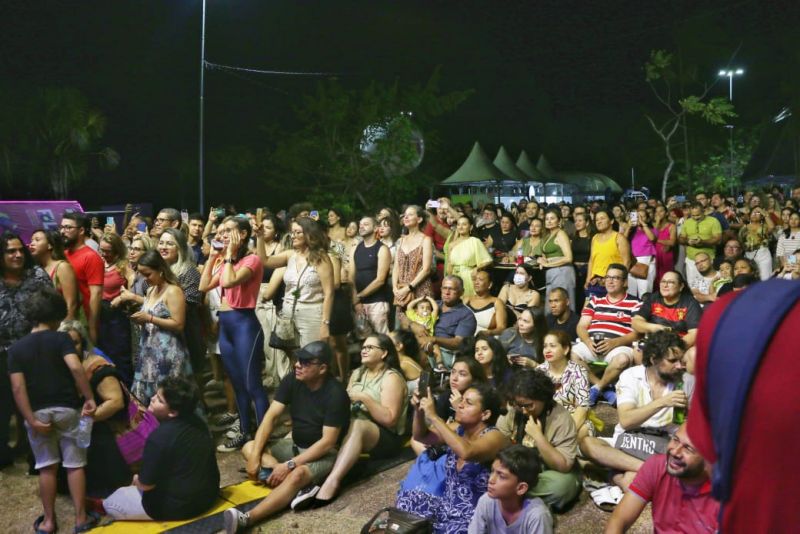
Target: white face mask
[{"x": 520, "y": 279}]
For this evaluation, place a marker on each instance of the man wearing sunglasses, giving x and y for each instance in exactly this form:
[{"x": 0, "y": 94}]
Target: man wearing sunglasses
[{"x": 320, "y": 413}]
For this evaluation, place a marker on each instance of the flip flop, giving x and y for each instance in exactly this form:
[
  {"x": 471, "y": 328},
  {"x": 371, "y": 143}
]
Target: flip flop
[
  {"x": 92, "y": 519},
  {"x": 605, "y": 499},
  {"x": 39, "y": 521}
]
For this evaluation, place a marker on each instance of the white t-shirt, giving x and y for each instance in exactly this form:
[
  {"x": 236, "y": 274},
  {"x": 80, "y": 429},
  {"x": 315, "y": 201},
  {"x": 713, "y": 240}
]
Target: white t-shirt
[{"x": 632, "y": 388}]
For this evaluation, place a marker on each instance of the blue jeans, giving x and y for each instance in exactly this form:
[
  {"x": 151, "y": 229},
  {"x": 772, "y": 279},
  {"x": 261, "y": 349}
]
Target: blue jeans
[{"x": 241, "y": 344}]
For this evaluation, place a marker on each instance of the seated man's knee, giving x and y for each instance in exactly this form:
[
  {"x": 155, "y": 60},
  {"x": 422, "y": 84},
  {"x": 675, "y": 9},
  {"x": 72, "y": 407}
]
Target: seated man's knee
[
  {"x": 621, "y": 360},
  {"x": 247, "y": 449}
]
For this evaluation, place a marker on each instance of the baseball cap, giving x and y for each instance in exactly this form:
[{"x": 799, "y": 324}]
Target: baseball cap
[{"x": 316, "y": 350}]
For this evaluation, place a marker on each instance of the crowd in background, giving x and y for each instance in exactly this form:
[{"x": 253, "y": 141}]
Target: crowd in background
[{"x": 481, "y": 329}]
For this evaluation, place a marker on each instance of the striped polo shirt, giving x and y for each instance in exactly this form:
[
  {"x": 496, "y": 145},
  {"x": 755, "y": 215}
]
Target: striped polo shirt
[{"x": 612, "y": 318}]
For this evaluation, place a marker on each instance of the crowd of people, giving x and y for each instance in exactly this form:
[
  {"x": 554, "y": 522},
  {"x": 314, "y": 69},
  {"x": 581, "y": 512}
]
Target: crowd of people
[{"x": 487, "y": 338}]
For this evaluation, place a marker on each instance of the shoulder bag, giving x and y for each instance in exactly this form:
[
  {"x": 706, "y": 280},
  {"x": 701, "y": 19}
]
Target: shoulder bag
[
  {"x": 391, "y": 520},
  {"x": 284, "y": 334}
]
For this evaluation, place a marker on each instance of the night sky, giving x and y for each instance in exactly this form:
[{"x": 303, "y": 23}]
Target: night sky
[{"x": 562, "y": 78}]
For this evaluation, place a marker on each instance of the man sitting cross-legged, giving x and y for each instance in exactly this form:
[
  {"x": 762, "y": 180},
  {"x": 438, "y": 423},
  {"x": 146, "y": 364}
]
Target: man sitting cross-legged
[
  {"x": 606, "y": 333},
  {"x": 320, "y": 410},
  {"x": 647, "y": 395}
]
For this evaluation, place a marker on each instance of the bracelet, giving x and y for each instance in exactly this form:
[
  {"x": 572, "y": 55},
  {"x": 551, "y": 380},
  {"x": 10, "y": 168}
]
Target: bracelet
[{"x": 151, "y": 318}]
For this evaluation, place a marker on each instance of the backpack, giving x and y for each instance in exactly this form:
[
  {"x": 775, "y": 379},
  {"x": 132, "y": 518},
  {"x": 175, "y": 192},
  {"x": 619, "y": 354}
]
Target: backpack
[{"x": 733, "y": 361}]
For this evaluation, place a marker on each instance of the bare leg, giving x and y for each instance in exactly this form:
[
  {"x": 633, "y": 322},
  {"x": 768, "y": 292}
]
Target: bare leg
[
  {"x": 76, "y": 478},
  {"x": 339, "y": 346},
  {"x": 47, "y": 492},
  {"x": 281, "y": 496},
  {"x": 362, "y": 436},
  {"x": 604, "y": 454},
  {"x": 615, "y": 367}
]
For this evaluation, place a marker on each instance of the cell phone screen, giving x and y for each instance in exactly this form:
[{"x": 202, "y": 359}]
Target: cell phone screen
[
  {"x": 142, "y": 227},
  {"x": 424, "y": 384},
  {"x": 109, "y": 220}
]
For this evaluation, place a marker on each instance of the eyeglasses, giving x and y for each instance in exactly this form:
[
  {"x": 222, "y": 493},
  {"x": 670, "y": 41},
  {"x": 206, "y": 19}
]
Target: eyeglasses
[
  {"x": 163, "y": 219},
  {"x": 67, "y": 227},
  {"x": 613, "y": 278},
  {"x": 524, "y": 405},
  {"x": 669, "y": 282},
  {"x": 369, "y": 347},
  {"x": 676, "y": 442},
  {"x": 308, "y": 363},
  {"x": 135, "y": 249}
]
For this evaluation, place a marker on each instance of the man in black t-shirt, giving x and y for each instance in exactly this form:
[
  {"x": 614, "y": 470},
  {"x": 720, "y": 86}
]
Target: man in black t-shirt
[
  {"x": 179, "y": 478},
  {"x": 561, "y": 317},
  {"x": 320, "y": 411}
]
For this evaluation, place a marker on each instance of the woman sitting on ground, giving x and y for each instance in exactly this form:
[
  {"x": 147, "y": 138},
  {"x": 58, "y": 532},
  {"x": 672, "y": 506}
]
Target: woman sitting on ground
[
  {"x": 523, "y": 341},
  {"x": 450, "y": 501},
  {"x": 408, "y": 352},
  {"x": 570, "y": 379},
  {"x": 490, "y": 311},
  {"x": 520, "y": 294},
  {"x": 378, "y": 406},
  {"x": 489, "y": 352},
  {"x": 537, "y": 420}
]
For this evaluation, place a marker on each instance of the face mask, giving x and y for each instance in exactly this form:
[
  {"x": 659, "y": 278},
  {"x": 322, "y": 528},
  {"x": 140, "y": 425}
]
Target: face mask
[{"x": 519, "y": 279}]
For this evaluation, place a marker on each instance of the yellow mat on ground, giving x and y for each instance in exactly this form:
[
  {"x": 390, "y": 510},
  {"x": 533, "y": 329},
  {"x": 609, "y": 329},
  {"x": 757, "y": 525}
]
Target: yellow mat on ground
[{"x": 233, "y": 495}]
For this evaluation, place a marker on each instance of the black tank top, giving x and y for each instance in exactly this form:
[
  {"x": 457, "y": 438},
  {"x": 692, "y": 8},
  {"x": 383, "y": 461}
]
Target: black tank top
[{"x": 366, "y": 266}]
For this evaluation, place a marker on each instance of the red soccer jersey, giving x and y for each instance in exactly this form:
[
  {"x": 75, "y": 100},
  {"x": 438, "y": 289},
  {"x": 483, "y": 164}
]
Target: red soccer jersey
[
  {"x": 765, "y": 497},
  {"x": 89, "y": 271}
]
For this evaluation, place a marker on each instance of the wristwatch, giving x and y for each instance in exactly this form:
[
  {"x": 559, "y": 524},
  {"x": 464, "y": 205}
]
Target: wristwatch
[
  {"x": 291, "y": 464},
  {"x": 229, "y": 260}
]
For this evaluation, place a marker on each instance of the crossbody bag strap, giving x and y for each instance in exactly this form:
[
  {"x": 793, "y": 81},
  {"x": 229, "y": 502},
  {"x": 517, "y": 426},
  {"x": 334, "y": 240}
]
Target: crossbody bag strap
[
  {"x": 733, "y": 362},
  {"x": 297, "y": 289}
]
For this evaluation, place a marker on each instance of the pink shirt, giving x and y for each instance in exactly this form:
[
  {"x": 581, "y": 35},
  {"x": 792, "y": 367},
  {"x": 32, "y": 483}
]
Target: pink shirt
[
  {"x": 677, "y": 508},
  {"x": 245, "y": 295},
  {"x": 641, "y": 244}
]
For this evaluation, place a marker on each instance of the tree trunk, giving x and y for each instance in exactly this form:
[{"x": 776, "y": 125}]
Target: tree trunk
[{"x": 667, "y": 171}]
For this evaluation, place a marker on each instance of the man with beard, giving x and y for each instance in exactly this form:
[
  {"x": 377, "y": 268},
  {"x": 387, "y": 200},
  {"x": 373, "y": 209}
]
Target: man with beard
[
  {"x": 531, "y": 213},
  {"x": 88, "y": 267},
  {"x": 646, "y": 396},
  {"x": 702, "y": 289},
  {"x": 678, "y": 486},
  {"x": 371, "y": 293}
]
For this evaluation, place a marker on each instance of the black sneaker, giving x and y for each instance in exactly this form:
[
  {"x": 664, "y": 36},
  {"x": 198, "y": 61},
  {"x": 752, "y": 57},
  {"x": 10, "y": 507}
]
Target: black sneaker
[
  {"x": 224, "y": 421},
  {"x": 233, "y": 444},
  {"x": 305, "y": 498}
]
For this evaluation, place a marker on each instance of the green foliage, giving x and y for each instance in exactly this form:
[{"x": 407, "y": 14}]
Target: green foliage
[
  {"x": 658, "y": 66},
  {"x": 322, "y": 160},
  {"x": 717, "y": 172},
  {"x": 48, "y": 139},
  {"x": 717, "y": 110}
]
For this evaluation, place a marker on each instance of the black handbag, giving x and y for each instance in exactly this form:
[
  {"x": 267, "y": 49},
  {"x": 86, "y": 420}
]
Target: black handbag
[
  {"x": 284, "y": 334},
  {"x": 391, "y": 520}
]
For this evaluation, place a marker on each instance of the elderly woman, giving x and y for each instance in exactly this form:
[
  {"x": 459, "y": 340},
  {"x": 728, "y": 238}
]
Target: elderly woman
[
  {"x": 536, "y": 420},
  {"x": 465, "y": 255},
  {"x": 379, "y": 402},
  {"x": 490, "y": 311},
  {"x": 20, "y": 278},
  {"x": 106, "y": 469},
  {"x": 47, "y": 248},
  {"x": 523, "y": 341},
  {"x": 462, "y": 472}
]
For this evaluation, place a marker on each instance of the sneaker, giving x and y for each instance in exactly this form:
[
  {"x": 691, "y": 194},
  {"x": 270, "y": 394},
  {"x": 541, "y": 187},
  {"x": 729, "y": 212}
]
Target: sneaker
[
  {"x": 214, "y": 384},
  {"x": 233, "y": 444},
  {"x": 594, "y": 395},
  {"x": 234, "y": 430},
  {"x": 305, "y": 498},
  {"x": 224, "y": 421},
  {"x": 234, "y": 520},
  {"x": 610, "y": 396}
]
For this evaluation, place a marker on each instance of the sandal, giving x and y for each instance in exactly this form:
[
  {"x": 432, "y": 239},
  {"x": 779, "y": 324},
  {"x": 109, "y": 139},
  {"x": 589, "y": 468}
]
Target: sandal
[
  {"x": 607, "y": 498},
  {"x": 39, "y": 521},
  {"x": 92, "y": 519}
]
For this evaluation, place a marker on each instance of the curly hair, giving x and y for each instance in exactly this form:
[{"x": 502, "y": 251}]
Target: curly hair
[
  {"x": 534, "y": 385},
  {"x": 180, "y": 394},
  {"x": 56, "y": 242},
  {"x": 315, "y": 237},
  {"x": 658, "y": 346}
]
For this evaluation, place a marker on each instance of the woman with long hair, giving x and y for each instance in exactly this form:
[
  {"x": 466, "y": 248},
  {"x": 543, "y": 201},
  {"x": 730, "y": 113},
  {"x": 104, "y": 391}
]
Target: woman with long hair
[
  {"x": 528, "y": 243},
  {"x": 520, "y": 294},
  {"x": 789, "y": 238},
  {"x": 336, "y": 228},
  {"x": 389, "y": 230},
  {"x": 379, "y": 402},
  {"x": 523, "y": 341},
  {"x": 47, "y": 248},
  {"x": 114, "y": 327},
  {"x": 535, "y": 419},
  {"x": 465, "y": 255},
  {"x": 581, "y": 250},
  {"x": 241, "y": 339},
  {"x": 413, "y": 262},
  {"x": 643, "y": 238},
  {"x": 608, "y": 246},
  {"x": 463, "y": 468},
  {"x": 490, "y": 311},
  {"x": 666, "y": 234},
  {"x": 162, "y": 352},
  {"x": 554, "y": 256},
  {"x": 489, "y": 352},
  {"x": 309, "y": 279},
  {"x": 755, "y": 237},
  {"x": 409, "y": 354}
]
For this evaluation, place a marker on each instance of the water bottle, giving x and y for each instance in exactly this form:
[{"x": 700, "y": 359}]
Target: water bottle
[
  {"x": 84, "y": 436},
  {"x": 678, "y": 414},
  {"x": 520, "y": 257}
]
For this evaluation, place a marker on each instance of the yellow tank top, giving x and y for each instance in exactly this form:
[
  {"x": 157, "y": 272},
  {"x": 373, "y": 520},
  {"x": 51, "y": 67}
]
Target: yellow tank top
[{"x": 604, "y": 254}]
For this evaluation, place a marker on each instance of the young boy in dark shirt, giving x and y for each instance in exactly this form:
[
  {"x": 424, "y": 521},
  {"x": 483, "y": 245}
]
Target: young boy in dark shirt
[{"x": 44, "y": 372}]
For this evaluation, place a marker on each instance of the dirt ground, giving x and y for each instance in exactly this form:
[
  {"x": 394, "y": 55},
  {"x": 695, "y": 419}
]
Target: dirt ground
[{"x": 353, "y": 508}]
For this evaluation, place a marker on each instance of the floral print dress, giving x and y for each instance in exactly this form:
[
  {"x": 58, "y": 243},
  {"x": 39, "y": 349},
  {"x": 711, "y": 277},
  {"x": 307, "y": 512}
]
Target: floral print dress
[{"x": 162, "y": 353}]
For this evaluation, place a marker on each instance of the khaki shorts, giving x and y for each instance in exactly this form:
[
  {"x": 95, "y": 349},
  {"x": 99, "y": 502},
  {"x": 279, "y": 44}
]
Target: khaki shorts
[
  {"x": 60, "y": 442},
  {"x": 285, "y": 449}
]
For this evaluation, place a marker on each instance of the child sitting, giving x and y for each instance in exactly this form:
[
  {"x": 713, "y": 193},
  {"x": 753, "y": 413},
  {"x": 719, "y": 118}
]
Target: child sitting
[
  {"x": 423, "y": 311},
  {"x": 45, "y": 370},
  {"x": 504, "y": 508}
]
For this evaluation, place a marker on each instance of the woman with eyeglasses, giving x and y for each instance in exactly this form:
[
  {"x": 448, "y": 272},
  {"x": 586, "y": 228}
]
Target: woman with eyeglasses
[
  {"x": 755, "y": 237},
  {"x": 47, "y": 248},
  {"x": 131, "y": 298},
  {"x": 241, "y": 340},
  {"x": 672, "y": 308},
  {"x": 114, "y": 328},
  {"x": 379, "y": 402},
  {"x": 445, "y": 483}
]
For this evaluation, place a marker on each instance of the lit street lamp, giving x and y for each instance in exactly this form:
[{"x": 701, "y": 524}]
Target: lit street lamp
[{"x": 730, "y": 73}]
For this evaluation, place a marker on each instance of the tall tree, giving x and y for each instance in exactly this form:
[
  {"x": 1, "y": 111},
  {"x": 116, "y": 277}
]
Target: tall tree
[{"x": 661, "y": 76}]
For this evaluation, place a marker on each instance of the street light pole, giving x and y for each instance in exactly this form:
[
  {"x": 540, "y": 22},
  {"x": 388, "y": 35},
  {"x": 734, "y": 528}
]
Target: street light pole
[
  {"x": 202, "y": 105},
  {"x": 730, "y": 73}
]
